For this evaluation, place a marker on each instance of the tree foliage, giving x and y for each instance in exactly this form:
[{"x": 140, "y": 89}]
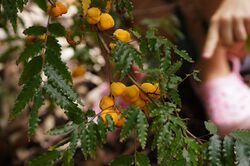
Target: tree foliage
[{"x": 156, "y": 127}]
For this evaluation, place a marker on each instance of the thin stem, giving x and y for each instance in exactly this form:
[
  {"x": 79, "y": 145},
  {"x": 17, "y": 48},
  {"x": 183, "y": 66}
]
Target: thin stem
[
  {"x": 193, "y": 136},
  {"x": 145, "y": 93}
]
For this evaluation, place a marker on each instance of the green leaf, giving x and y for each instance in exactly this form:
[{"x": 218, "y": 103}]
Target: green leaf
[
  {"x": 242, "y": 154},
  {"x": 33, "y": 116},
  {"x": 214, "y": 150},
  {"x": 88, "y": 140},
  {"x": 31, "y": 69},
  {"x": 130, "y": 123},
  {"x": 42, "y": 4},
  {"x": 136, "y": 34},
  {"x": 58, "y": 81},
  {"x": 102, "y": 130},
  {"x": 142, "y": 128},
  {"x": 183, "y": 54},
  {"x": 67, "y": 159},
  {"x": 228, "y": 151},
  {"x": 125, "y": 7},
  {"x": 241, "y": 135},
  {"x": 211, "y": 127},
  {"x": 35, "y": 30},
  {"x": 46, "y": 159},
  {"x": 124, "y": 55},
  {"x": 31, "y": 50},
  {"x": 173, "y": 68},
  {"x": 56, "y": 29},
  {"x": 142, "y": 160},
  {"x": 64, "y": 129},
  {"x": 73, "y": 143},
  {"x": 72, "y": 111},
  {"x": 27, "y": 93},
  {"x": 110, "y": 122},
  {"x": 10, "y": 12},
  {"x": 52, "y": 57},
  {"x": 124, "y": 160}
]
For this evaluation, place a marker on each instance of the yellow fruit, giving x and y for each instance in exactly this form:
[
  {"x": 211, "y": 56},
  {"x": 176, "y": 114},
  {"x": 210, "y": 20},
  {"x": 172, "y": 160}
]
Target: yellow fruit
[
  {"x": 140, "y": 103},
  {"x": 30, "y": 38},
  {"x": 112, "y": 45},
  {"x": 117, "y": 88},
  {"x": 122, "y": 35},
  {"x": 57, "y": 10},
  {"x": 131, "y": 94},
  {"x": 115, "y": 115},
  {"x": 106, "y": 103},
  {"x": 93, "y": 15},
  {"x": 157, "y": 93},
  {"x": 106, "y": 22},
  {"x": 78, "y": 71},
  {"x": 42, "y": 37},
  {"x": 149, "y": 89}
]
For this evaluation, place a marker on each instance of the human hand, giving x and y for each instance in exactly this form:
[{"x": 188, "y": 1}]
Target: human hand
[{"x": 229, "y": 25}]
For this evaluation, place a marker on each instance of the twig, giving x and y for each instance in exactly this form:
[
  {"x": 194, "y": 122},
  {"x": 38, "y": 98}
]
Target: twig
[
  {"x": 193, "y": 136},
  {"x": 145, "y": 93}
]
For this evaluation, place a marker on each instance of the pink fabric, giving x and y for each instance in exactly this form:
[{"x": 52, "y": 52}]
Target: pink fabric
[{"x": 227, "y": 100}]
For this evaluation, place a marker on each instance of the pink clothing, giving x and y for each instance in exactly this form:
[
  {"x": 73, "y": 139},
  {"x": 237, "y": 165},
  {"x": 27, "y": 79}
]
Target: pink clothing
[{"x": 227, "y": 100}]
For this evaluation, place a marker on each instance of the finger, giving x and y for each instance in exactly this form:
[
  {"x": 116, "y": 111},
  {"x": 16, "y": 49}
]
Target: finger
[
  {"x": 239, "y": 31},
  {"x": 247, "y": 25},
  {"x": 211, "y": 41},
  {"x": 226, "y": 31}
]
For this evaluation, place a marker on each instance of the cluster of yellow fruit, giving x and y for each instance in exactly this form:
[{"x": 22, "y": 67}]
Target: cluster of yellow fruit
[
  {"x": 133, "y": 95},
  {"x": 130, "y": 94},
  {"x": 107, "y": 105},
  {"x": 104, "y": 21},
  {"x": 57, "y": 9}
]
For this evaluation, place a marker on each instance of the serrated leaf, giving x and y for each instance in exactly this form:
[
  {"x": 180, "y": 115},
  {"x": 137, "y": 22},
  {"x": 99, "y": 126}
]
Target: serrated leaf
[
  {"x": 110, "y": 122},
  {"x": 63, "y": 129},
  {"x": 242, "y": 154},
  {"x": 52, "y": 57},
  {"x": 241, "y": 135},
  {"x": 136, "y": 34},
  {"x": 33, "y": 115},
  {"x": 31, "y": 50},
  {"x": 88, "y": 140},
  {"x": 67, "y": 159},
  {"x": 56, "y": 29},
  {"x": 31, "y": 69},
  {"x": 124, "y": 160},
  {"x": 173, "y": 68},
  {"x": 58, "y": 81},
  {"x": 35, "y": 30},
  {"x": 46, "y": 159},
  {"x": 101, "y": 130},
  {"x": 130, "y": 122},
  {"x": 10, "y": 12},
  {"x": 73, "y": 143},
  {"x": 124, "y": 55},
  {"x": 211, "y": 127},
  {"x": 183, "y": 54},
  {"x": 42, "y": 4},
  {"x": 71, "y": 109},
  {"x": 27, "y": 93},
  {"x": 142, "y": 128},
  {"x": 214, "y": 150},
  {"x": 85, "y": 6},
  {"x": 228, "y": 151},
  {"x": 142, "y": 160}
]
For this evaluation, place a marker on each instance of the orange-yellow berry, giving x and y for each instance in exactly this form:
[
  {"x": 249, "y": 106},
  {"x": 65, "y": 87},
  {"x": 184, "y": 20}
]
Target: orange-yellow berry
[
  {"x": 115, "y": 115},
  {"x": 78, "y": 71},
  {"x": 117, "y": 88},
  {"x": 57, "y": 10},
  {"x": 93, "y": 15},
  {"x": 149, "y": 89},
  {"x": 122, "y": 35},
  {"x": 106, "y": 22},
  {"x": 131, "y": 94},
  {"x": 157, "y": 93},
  {"x": 106, "y": 103},
  {"x": 140, "y": 103}
]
